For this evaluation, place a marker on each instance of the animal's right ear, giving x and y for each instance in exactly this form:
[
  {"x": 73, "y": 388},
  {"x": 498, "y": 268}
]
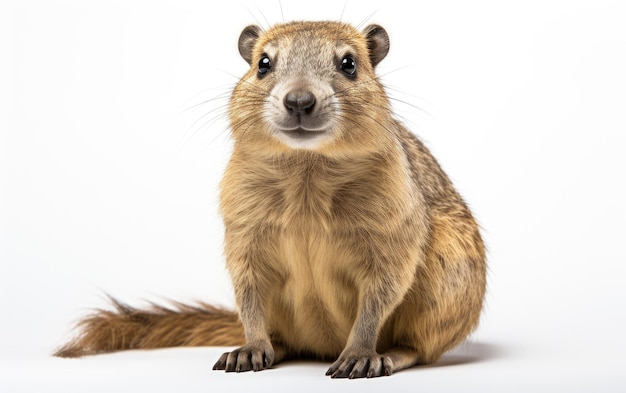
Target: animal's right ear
[{"x": 247, "y": 39}]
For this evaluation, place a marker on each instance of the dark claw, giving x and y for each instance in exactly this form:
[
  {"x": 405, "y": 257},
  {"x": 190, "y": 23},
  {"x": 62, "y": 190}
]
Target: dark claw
[
  {"x": 344, "y": 370},
  {"x": 387, "y": 366},
  {"x": 221, "y": 362},
  {"x": 246, "y": 358},
  {"x": 361, "y": 367}
]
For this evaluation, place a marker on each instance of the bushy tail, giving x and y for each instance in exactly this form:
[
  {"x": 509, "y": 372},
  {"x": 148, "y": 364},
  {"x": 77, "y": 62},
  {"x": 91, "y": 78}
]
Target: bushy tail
[{"x": 156, "y": 327}]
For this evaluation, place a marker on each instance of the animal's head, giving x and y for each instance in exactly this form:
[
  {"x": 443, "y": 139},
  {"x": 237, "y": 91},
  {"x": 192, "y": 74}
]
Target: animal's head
[{"x": 312, "y": 86}]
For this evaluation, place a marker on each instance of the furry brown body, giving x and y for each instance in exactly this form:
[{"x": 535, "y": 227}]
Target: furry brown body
[{"x": 344, "y": 238}]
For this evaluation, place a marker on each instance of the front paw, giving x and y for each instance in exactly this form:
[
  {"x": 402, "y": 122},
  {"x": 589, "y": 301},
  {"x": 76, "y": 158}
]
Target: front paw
[
  {"x": 255, "y": 357},
  {"x": 360, "y": 365}
]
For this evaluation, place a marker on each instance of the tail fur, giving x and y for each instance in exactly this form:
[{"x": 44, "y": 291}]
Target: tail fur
[{"x": 157, "y": 327}]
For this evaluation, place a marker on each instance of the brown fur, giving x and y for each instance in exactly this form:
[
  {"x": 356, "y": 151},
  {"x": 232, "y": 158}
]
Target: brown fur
[
  {"x": 358, "y": 249},
  {"x": 157, "y": 327}
]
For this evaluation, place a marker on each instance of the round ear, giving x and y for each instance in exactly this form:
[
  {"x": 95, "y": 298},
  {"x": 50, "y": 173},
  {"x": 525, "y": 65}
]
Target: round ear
[
  {"x": 247, "y": 39},
  {"x": 377, "y": 43}
]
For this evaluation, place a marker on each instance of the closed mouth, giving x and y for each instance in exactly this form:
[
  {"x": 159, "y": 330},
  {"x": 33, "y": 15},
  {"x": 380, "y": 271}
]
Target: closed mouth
[{"x": 301, "y": 133}]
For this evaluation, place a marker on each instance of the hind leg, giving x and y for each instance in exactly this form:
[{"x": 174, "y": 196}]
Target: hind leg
[
  {"x": 444, "y": 305},
  {"x": 400, "y": 358}
]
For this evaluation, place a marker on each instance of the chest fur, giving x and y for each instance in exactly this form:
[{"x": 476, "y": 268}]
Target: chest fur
[{"x": 316, "y": 194}]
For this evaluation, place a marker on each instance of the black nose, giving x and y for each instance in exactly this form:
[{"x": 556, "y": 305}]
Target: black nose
[{"x": 299, "y": 102}]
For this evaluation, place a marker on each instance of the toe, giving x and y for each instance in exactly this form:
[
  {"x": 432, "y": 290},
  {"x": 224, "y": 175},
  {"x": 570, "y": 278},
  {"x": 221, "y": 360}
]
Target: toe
[
  {"x": 243, "y": 361},
  {"x": 257, "y": 361},
  {"x": 344, "y": 370},
  {"x": 375, "y": 367},
  {"x": 360, "y": 368},
  {"x": 231, "y": 361},
  {"x": 221, "y": 362},
  {"x": 387, "y": 366}
]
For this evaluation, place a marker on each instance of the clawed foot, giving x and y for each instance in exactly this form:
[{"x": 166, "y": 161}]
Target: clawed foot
[
  {"x": 255, "y": 357},
  {"x": 360, "y": 366}
]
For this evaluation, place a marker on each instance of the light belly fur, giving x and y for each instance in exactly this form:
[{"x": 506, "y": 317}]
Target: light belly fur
[{"x": 314, "y": 310}]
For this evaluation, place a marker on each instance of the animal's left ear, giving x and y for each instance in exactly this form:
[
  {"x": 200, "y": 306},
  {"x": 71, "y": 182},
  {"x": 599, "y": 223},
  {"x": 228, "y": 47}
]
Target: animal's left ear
[{"x": 377, "y": 43}]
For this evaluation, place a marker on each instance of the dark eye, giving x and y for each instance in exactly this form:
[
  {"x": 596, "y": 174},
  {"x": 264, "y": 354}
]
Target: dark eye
[
  {"x": 264, "y": 65},
  {"x": 348, "y": 66}
]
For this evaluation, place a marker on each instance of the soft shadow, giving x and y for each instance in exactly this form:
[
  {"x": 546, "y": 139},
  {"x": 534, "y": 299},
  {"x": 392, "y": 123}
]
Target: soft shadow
[
  {"x": 470, "y": 352},
  {"x": 466, "y": 353}
]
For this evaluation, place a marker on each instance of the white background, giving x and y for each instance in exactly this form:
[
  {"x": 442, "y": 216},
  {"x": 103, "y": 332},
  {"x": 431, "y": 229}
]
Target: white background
[{"x": 109, "y": 177}]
